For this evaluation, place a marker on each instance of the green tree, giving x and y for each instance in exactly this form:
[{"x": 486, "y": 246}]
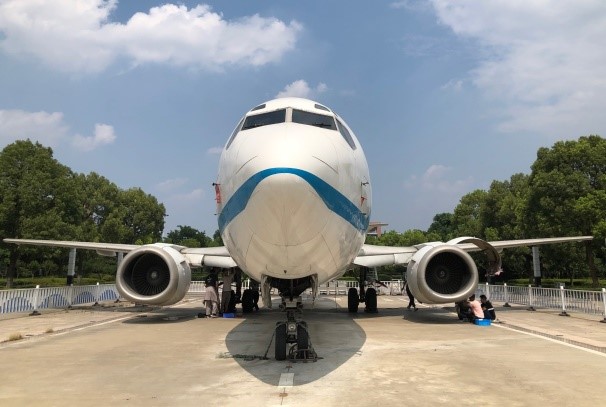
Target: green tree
[
  {"x": 467, "y": 217},
  {"x": 142, "y": 217},
  {"x": 34, "y": 197},
  {"x": 43, "y": 199},
  {"x": 217, "y": 239},
  {"x": 567, "y": 194},
  {"x": 504, "y": 207},
  {"x": 188, "y": 236},
  {"x": 442, "y": 226}
]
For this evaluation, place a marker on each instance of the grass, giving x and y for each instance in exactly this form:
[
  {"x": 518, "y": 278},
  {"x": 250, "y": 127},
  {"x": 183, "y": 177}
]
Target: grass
[
  {"x": 49, "y": 331},
  {"x": 15, "y": 337}
]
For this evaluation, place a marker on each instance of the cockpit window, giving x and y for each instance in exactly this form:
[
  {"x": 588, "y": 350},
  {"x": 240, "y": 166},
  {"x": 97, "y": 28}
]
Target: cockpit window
[
  {"x": 346, "y": 135},
  {"x": 313, "y": 119},
  {"x": 233, "y": 134},
  {"x": 264, "y": 119}
]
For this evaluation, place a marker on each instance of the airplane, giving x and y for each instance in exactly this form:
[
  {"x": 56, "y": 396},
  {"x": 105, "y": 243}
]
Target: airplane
[{"x": 294, "y": 200}]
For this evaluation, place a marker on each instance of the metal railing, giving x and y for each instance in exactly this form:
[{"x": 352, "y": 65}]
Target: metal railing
[
  {"x": 34, "y": 299},
  {"x": 587, "y": 302}
]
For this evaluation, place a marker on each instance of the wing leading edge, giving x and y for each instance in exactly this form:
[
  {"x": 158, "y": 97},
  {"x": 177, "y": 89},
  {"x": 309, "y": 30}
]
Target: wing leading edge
[
  {"x": 196, "y": 257},
  {"x": 376, "y": 256}
]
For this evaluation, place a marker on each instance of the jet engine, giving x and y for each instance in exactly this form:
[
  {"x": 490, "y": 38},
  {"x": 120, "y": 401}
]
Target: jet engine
[
  {"x": 441, "y": 273},
  {"x": 156, "y": 274}
]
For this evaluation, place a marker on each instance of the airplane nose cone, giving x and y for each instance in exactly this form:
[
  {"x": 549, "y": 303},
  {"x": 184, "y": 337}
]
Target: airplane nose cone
[{"x": 286, "y": 210}]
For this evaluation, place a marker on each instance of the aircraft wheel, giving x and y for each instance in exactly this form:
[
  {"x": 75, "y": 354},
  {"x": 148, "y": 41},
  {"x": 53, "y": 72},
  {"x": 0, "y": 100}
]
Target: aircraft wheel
[
  {"x": 352, "y": 300},
  {"x": 302, "y": 337},
  {"x": 371, "y": 300},
  {"x": 247, "y": 301},
  {"x": 280, "y": 342}
]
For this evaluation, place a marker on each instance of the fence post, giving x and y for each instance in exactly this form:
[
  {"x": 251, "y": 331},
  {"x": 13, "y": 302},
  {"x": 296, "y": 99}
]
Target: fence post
[
  {"x": 530, "y": 308},
  {"x": 506, "y": 295},
  {"x": 36, "y": 296},
  {"x": 487, "y": 290},
  {"x": 70, "y": 295},
  {"x": 562, "y": 296},
  {"x": 604, "y": 302},
  {"x": 97, "y": 288}
]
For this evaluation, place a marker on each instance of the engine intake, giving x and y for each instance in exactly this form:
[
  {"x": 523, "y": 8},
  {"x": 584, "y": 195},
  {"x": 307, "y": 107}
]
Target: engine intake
[
  {"x": 442, "y": 273},
  {"x": 153, "y": 274}
]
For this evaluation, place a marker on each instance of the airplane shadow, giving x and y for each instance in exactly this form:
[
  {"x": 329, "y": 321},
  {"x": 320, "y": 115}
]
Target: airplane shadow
[{"x": 335, "y": 336}]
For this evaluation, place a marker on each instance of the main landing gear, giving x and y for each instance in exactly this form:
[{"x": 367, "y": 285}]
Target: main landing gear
[
  {"x": 367, "y": 296},
  {"x": 292, "y": 336}
]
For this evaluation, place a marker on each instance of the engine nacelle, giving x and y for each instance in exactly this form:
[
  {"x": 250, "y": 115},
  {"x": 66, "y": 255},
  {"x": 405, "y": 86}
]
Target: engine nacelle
[
  {"x": 441, "y": 273},
  {"x": 154, "y": 274}
]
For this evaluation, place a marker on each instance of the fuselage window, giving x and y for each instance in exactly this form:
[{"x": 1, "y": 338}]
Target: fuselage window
[
  {"x": 233, "y": 135},
  {"x": 313, "y": 119},
  {"x": 346, "y": 135},
  {"x": 264, "y": 119}
]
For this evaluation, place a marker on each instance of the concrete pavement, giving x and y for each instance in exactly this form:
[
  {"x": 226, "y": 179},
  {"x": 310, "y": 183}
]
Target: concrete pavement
[{"x": 123, "y": 355}]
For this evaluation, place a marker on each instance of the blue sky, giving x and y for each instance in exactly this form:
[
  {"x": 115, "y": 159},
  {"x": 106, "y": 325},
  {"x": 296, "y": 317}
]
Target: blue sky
[{"x": 445, "y": 96}]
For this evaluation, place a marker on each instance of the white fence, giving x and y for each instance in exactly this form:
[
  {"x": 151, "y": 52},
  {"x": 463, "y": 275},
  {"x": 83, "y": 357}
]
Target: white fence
[
  {"x": 587, "y": 302},
  {"x": 34, "y": 299}
]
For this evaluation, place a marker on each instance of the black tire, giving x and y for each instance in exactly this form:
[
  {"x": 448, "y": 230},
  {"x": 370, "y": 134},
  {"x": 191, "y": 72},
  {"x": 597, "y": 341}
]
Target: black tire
[
  {"x": 302, "y": 338},
  {"x": 371, "y": 300},
  {"x": 247, "y": 301},
  {"x": 352, "y": 300},
  {"x": 281, "y": 342}
]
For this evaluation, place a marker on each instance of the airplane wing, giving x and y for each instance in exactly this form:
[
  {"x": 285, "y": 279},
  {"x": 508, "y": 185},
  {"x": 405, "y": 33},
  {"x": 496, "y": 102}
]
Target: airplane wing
[
  {"x": 375, "y": 256},
  {"x": 196, "y": 257}
]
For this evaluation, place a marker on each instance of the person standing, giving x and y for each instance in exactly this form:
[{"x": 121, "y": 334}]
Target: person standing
[
  {"x": 411, "y": 298},
  {"x": 254, "y": 286},
  {"x": 228, "y": 278},
  {"x": 211, "y": 299}
]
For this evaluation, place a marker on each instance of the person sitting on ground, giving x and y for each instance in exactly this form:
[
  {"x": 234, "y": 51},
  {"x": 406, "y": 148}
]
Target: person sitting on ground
[
  {"x": 487, "y": 308},
  {"x": 475, "y": 308}
]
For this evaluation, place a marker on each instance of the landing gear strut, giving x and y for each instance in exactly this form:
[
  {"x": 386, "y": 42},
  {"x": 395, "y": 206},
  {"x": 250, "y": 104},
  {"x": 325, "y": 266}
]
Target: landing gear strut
[
  {"x": 292, "y": 336},
  {"x": 367, "y": 296}
]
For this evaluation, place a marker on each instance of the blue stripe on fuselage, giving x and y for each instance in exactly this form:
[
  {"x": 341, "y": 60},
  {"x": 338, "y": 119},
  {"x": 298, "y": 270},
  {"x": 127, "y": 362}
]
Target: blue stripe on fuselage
[{"x": 333, "y": 199}]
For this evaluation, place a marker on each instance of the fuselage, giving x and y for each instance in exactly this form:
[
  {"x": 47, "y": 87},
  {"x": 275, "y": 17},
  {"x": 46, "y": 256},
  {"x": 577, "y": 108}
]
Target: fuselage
[{"x": 295, "y": 194}]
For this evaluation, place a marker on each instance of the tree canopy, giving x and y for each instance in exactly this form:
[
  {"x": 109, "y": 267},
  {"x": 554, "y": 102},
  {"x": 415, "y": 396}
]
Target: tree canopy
[
  {"x": 42, "y": 199},
  {"x": 564, "y": 195}
]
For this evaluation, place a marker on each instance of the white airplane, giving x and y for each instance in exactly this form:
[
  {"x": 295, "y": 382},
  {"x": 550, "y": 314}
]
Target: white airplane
[{"x": 294, "y": 203}]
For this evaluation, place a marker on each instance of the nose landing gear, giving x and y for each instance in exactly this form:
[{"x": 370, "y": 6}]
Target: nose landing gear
[{"x": 292, "y": 336}]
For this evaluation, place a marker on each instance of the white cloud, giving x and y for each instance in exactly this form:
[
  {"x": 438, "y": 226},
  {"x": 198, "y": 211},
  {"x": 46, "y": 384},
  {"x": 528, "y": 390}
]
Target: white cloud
[
  {"x": 411, "y": 5},
  {"x": 49, "y": 129},
  {"x": 542, "y": 60},
  {"x": 46, "y": 128},
  {"x": 171, "y": 184},
  {"x": 438, "y": 178},
  {"x": 455, "y": 85},
  {"x": 214, "y": 150},
  {"x": 104, "y": 134},
  {"x": 185, "y": 199},
  {"x": 300, "y": 88},
  {"x": 81, "y": 38}
]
